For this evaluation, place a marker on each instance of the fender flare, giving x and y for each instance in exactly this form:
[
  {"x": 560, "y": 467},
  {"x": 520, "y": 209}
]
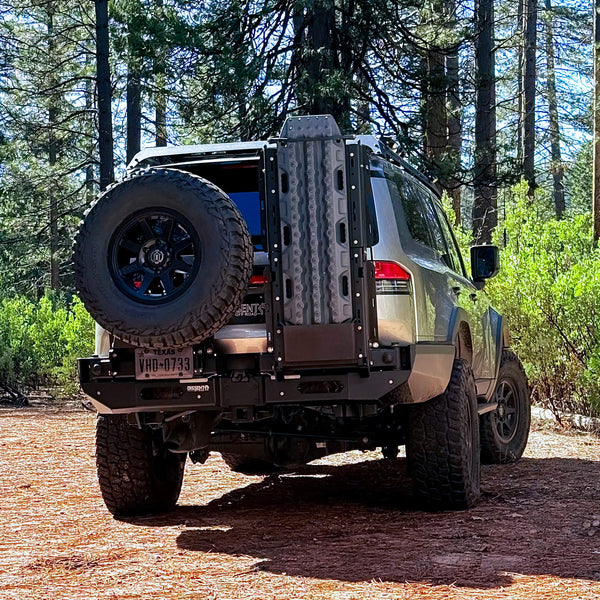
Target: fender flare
[{"x": 459, "y": 326}]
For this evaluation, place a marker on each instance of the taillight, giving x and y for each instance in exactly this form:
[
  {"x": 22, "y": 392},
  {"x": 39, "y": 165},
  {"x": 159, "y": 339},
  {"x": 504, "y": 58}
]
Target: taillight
[
  {"x": 258, "y": 280},
  {"x": 391, "y": 278}
]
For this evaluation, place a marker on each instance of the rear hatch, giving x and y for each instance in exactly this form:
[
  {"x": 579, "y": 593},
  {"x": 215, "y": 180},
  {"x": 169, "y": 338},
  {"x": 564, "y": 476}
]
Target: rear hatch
[{"x": 308, "y": 203}]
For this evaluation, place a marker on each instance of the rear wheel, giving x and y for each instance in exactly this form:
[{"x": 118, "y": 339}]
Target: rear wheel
[
  {"x": 138, "y": 475},
  {"x": 443, "y": 445},
  {"x": 504, "y": 432}
]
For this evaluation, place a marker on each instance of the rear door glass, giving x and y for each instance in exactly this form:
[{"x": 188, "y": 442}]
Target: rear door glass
[
  {"x": 453, "y": 250},
  {"x": 412, "y": 216},
  {"x": 420, "y": 216},
  {"x": 424, "y": 231},
  {"x": 240, "y": 181},
  {"x": 441, "y": 239}
]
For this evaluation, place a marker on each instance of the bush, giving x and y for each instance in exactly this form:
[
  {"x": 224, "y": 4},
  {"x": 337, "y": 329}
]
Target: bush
[
  {"x": 548, "y": 290},
  {"x": 40, "y": 342}
]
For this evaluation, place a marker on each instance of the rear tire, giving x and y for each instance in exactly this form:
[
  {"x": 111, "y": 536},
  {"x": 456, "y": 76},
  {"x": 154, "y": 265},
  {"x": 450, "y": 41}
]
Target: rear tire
[
  {"x": 443, "y": 445},
  {"x": 137, "y": 474},
  {"x": 505, "y": 431}
]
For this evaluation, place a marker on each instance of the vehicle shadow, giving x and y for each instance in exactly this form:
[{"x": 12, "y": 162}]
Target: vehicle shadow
[{"x": 360, "y": 522}]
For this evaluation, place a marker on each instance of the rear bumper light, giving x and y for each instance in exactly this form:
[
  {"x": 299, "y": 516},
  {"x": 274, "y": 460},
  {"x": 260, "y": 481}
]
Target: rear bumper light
[
  {"x": 391, "y": 278},
  {"x": 258, "y": 280},
  {"x": 392, "y": 287}
]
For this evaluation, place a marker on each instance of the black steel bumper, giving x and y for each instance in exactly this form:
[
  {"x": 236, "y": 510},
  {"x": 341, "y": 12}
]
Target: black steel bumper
[
  {"x": 111, "y": 384},
  {"x": 123, "y": 395},
  {"x": 249, "y": 381}
]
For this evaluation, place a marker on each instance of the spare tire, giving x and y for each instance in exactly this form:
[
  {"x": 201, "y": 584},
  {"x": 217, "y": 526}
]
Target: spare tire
[{"x": 162, "y": 259}]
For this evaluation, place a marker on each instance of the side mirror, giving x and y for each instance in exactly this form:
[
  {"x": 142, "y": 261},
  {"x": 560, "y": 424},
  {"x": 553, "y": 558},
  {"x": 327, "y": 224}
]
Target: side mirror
[{"x": 485, "y": 262}]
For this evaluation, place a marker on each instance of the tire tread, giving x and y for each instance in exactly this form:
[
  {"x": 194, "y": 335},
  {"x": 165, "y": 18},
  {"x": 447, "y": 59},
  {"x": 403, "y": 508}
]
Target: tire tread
[
  {"x": 438, "y": 460},
  {"x": 127, "y": 469}
]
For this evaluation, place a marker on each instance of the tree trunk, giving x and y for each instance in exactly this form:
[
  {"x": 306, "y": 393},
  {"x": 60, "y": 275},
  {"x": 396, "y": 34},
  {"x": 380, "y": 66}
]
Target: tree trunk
[
  {"x": 529, "y": 78},
  {"x": 320, "y": 56},
  {"x": 160, "y": 109},
  {"x": 485, "y": 217},
  {"x": 134, "y": 105},
  {"x": 90, "y": 162},
  {"x": 556, "y": 165},
  {"x": 298, "y": 50},
  {"x": 441, "y": 108},
  {"x": 318, "y": 63},
  {"x": 52, "y": 158},
  {"x": 160, "y": 93},
  {"x": 454, "y": 117},
  {"x": 104, "y": 90},
  {"x": 363, "y": 108},
  {"x": 520, "y": 68},
  {"x": 434, "y": 108},
  {"x": 596, "y": 167},
  {"x": 134, "y": 116},
  {"x": 245, "y": 127}
]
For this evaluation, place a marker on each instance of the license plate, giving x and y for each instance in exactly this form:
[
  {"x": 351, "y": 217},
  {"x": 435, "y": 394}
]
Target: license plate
[{"x": 164, "y": 364}]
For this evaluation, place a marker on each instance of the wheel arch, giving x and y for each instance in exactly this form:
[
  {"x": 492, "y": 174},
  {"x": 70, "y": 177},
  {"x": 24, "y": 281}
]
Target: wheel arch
[{"x": 460, "y": 335}]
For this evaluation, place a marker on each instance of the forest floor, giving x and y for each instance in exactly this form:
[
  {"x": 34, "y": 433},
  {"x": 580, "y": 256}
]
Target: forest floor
[{"x": 343, "y": 528}]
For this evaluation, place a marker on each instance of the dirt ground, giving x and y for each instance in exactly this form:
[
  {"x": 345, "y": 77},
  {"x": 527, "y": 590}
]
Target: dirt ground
[{"x": 346, "y": 528}]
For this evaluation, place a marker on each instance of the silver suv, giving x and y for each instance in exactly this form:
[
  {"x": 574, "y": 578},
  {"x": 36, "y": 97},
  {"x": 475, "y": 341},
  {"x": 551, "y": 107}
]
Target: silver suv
[{"x": 282, "y": 300}]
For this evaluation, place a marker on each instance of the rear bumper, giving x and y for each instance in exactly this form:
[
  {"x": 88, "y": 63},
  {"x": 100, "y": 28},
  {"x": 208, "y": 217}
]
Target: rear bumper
[
  {"x": 221, "y": 393},
  {"x": 112, "y": 387}
]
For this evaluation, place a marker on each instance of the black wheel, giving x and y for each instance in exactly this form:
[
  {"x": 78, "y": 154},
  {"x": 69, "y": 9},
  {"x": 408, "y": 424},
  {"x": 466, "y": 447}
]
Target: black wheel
[
  {"x": 249, "y": 466},
  {"x": 504, "y": 432},
  {"x": 137, "y": 474},
  {"x": 163, "y": 259},
  {"x": 442, "y": 449}
]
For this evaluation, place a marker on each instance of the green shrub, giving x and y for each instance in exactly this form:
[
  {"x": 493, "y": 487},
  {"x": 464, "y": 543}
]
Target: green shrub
[
  {"x": 40, "y": 341},
  {"x": 548, "y": 290},
  {"x": 18, "y": 362}
]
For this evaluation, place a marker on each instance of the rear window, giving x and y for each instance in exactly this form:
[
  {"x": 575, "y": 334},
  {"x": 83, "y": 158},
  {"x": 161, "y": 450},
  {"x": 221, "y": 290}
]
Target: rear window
[
  {"x": 239, "y": 180},
  {"x": 249, "y": 205},
  {"x": 417, "y": 223}
]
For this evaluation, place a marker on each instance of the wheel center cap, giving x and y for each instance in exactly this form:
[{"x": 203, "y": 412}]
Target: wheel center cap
[
  {"x": 501, "y": 411},
  {"x": 157, "y": 257}
]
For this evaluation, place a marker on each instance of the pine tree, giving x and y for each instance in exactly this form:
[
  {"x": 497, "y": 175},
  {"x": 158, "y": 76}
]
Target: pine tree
[
  {"x": 485, "y": 215},
  {"x": 529, "y": 91},
  {"x": 556, "y": 166},
  {"x": 46, "y": 126},
  {"x": 104, "y": 91}
]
